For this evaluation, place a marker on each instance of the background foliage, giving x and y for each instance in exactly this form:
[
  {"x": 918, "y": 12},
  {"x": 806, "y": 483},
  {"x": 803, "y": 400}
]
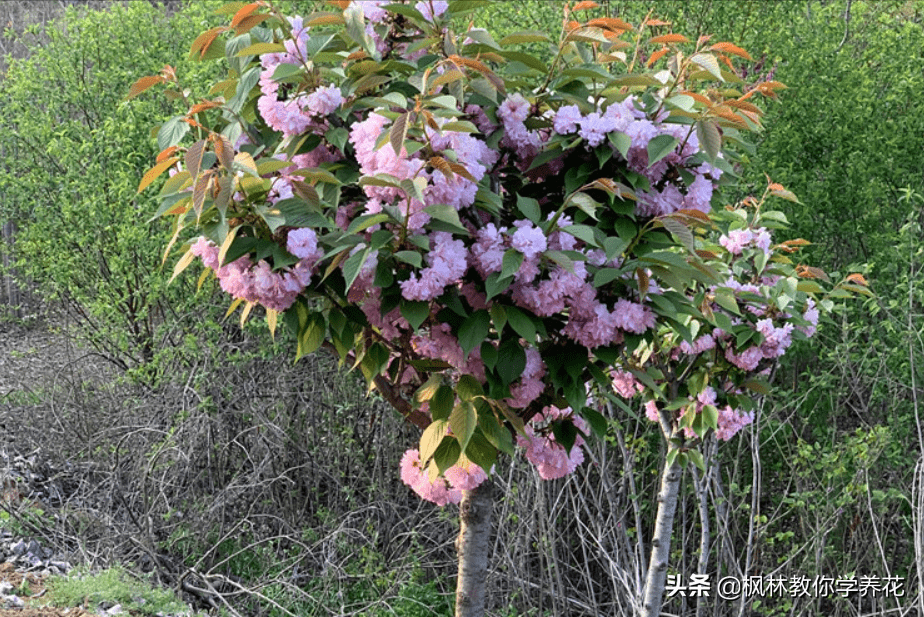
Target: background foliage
[{"x": 229, "y": 476}]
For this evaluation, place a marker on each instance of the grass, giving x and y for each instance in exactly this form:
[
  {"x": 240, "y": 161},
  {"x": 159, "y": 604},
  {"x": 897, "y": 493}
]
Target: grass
[{"x": 113, "y": 585}]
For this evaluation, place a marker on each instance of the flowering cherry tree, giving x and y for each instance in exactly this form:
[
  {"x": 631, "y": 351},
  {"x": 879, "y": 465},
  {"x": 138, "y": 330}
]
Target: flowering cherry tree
[{"x": 496, "y": 240}]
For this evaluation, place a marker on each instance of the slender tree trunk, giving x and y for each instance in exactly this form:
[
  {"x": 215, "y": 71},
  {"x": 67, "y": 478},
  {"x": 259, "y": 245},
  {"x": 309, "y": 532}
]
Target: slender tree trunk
[
  {"x": 473, "y": 547},
  {"x": 704, "y": 537},
  {"x": 653, "y": 594}
]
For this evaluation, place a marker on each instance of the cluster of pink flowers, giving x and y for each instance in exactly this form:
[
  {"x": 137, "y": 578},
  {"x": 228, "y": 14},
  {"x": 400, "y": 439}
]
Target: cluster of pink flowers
[
  {"x": 296, "y": 115},
  {"x": 259, "y": 282},
  {"x": 730, "y": 420},
  {"x": 463, "y": 476},
  {"x": 415, "y": 475},
  {"x": 530, "y": 386},
  {"x": 549, "y": 457},
  {"x": 447, "y": 189},
  {"x": 627, "y": 118},
  {"x": 447, "y": 263},
  {"x": 739, "y": 239}
]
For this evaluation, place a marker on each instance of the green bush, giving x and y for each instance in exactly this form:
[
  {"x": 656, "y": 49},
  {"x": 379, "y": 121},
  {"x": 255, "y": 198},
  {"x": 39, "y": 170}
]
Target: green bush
[{"x": 72, "y": 156}]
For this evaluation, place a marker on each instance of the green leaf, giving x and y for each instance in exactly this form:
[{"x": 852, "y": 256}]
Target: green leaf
[
  {"x": 258, "y": 49},
  {"x": 521, "y": 324},
  {"x": 426, "y": 391},
  {"x": 172, "y": 132},
  {"x": 529, "y": 208},
  {"x": 447, "y": 454},
  {"x": 513, "y": 259},
  {"x": 621, "y": 142},
  {"x": 460, "y": 126},
  {"x": 468, "y": 388},
  {"x": 606, "y": 275},
  {"x": 374, "y": 362},
  {"x": 758, "y": 385},
  {"x": 338, "y": 137},
  {"x": 565, "y": 434},
  {"x": 431, "y": 438},
  {"x": 682, "y": 101},
  {"x": 474, "y": 330},
  {"x": 311, "y": 334},
  {"x": 709, "y": 138},
  {"x": 498, "y": 316},
  {"x": 406, "y": 10},
  {"x": 723, "y": 321},
  {"x": 680, "y": 232},
  {"x": 410, "y": 257},
  {"x": 356, "y": 30},
  {"x": 415, "y": 312},
  {"x": 582, "y": 232},
  {"x": 287, "y": 72},
  {"x": 527, "y": 59},
  {"x": 585, "y": 203},
  {"x": 489, "y": 355},
  {"x": 497, "y": 434},
  {"x": 496, "y": 284},
  {"x": 511, "y": 361},
  {"x": 448, "y": 216},
  {"x": 614, "y": 246},
  {"x": 709, "y": 63},
  {"x": 659, "y": 147},
  {"x": 810, "y": 287},
  {"x": 463, "y": 421},
  {"x": 366, "y": 221},
  {"x": 525, "y": 36},
  {"x": 725, "y": 298},
  {"x": 561, "y": 259},
  {"x": 710, "y": 416},
  {"x": 631, "y": 81},
  {"x": 697, "y": 458},
  {"x": 481, "y": 452},
  {"x": 353, "y": 265},
  {"x": 442, "y": 403},
  {"x": 596, "y": 420}
]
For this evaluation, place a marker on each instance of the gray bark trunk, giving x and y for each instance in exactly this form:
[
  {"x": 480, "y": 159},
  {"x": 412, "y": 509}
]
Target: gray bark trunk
[
  {"x": 653, "y": 594},
  {"x": 473, "y": 547}
]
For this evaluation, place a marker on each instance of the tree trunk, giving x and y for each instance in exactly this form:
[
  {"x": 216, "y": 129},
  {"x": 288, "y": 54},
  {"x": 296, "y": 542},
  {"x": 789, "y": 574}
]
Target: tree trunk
[
  {"x": 653, "y": 594},
  {"x": 473, "y": 547}
]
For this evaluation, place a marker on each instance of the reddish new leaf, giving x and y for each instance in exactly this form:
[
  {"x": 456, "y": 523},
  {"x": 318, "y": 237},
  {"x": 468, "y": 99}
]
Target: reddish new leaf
[
  {"x": 143, "y": 84},
  {"x": 166, "y": 153},
  {"x": 245, "y": 12},
  {"x": 729, "y": 48},
  {"x": 669, "y": 38},
  {"x": 223, "y": 150}
]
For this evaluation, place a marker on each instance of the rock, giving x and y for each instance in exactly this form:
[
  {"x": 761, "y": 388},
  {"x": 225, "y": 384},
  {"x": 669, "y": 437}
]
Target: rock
[
  {"x": 6, "y": 588},
  {"x": 14, "y": 602},
  {"x": 18, "y": 548}
]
